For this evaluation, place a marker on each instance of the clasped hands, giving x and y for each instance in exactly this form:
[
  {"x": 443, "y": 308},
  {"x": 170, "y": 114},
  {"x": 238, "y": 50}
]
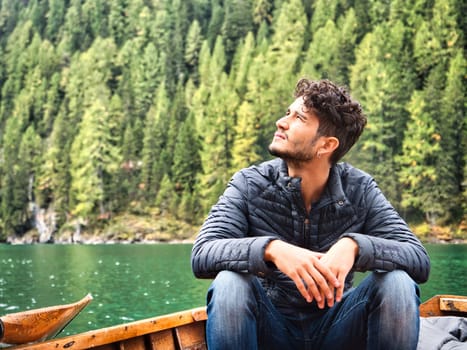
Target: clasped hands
[{"x": 318, "y": 276}]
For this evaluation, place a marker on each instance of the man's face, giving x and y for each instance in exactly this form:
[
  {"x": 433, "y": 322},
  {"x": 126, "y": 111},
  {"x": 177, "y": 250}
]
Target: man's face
[{"x": 296, "y": 134}]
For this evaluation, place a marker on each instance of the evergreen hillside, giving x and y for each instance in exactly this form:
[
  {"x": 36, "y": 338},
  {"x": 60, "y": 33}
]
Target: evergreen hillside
[{"x": 147, "y": 107}]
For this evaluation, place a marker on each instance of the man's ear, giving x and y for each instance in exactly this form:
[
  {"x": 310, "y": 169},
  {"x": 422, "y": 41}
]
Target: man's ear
[{"x": 329, "y": 145}]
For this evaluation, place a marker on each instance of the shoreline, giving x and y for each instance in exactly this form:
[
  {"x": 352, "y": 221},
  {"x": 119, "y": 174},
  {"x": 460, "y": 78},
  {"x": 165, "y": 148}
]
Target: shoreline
[{"x": 97, "y": 241}]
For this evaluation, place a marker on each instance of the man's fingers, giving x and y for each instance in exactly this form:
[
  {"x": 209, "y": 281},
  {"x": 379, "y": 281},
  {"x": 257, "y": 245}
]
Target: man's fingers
[
  {"x": 340, "y": 290},
  {"x": 302, "y": 287},
  {"x": 317, "y": 285}
]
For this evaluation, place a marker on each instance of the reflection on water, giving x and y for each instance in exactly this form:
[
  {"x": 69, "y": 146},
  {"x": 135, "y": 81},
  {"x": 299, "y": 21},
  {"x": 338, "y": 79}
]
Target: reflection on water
[{"x": 132, "y": 282}]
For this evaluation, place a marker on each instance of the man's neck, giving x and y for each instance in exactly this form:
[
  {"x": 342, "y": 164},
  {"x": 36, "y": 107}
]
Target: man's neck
[{"x": 314, "y": 175}]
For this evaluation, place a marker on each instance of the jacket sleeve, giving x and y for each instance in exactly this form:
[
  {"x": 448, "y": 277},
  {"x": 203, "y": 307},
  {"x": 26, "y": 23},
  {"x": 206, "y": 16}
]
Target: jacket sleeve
[
  {"x": 223, "y": 242},
  {"x": 387, "y": 243}
]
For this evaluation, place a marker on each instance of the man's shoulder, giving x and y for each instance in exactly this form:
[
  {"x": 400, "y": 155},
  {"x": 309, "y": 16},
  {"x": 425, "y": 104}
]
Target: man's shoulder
[
  {"x": 350, "y": 178},
  {"x": 347, "y": 170},
  {"x": 260, "y": 175},
  {"x": 269, "y": 168}
]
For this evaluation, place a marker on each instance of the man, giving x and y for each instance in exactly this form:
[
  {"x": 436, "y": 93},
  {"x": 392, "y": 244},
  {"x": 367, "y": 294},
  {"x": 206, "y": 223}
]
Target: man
[{"x": 284, "y": 239}]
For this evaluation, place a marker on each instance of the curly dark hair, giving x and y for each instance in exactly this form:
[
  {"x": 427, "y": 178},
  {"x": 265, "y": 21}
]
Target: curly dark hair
[{"x": 339, "y": 115}]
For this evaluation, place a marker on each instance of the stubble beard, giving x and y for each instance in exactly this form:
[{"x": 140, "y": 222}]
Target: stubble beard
[{"x": 293, "y": 157}]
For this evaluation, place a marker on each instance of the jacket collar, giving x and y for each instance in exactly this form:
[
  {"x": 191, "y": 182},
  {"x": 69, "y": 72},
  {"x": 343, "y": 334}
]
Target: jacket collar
[{"x": 333, "y": 192}]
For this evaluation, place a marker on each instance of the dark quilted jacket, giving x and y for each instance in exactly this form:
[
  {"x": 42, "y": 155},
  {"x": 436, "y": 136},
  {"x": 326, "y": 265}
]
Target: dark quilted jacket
[{"x": 263, "y": 203}]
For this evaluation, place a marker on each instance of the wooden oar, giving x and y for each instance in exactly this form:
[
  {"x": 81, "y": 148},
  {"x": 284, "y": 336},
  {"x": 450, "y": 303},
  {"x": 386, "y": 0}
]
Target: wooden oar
[{"x": 39, "y": 324}]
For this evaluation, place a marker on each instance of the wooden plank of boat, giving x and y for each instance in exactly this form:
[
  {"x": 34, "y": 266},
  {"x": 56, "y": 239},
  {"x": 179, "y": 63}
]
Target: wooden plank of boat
[
  {"x": 180, "y": 330},
  {"x": 39, "y": 324},
  {"x": 444, "y": 305},
  {"x": 185, "y": 330}
]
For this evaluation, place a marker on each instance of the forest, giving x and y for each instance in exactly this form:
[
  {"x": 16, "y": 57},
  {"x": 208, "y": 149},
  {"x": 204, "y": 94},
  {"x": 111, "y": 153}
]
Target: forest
[{"x": 119, "y": 109}]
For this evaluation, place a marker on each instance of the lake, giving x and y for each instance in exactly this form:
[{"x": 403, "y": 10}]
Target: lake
[{"x": 132, "y": 282}]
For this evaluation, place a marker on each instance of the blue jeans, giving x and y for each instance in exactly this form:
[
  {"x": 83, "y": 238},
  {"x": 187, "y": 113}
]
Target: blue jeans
[{"x": 380, "y": 313}]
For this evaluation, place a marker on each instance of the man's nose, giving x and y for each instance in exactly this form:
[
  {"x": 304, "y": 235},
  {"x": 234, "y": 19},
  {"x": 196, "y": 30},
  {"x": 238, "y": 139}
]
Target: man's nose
[{"x": 282, "y": 123}]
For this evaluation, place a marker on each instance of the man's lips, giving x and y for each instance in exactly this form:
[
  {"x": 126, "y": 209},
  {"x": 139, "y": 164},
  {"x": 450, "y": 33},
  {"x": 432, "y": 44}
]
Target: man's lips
[{"x": 279, "y": 135}]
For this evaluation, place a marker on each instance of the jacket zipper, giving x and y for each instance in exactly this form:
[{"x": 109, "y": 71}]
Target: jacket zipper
[{"x": 306, "y": 233}]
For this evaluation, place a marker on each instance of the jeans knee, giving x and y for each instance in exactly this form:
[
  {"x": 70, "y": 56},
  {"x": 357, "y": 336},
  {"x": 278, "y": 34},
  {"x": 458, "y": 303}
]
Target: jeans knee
[
  {"x": 397, "y": 281},
  {"x": 231, "y": 289},
  {"x": 398, "y": 288}
]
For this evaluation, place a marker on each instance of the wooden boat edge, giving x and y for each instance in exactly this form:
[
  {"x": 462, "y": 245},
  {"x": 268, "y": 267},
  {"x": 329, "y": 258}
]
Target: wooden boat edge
[
  {"x": 122, "y": 332},
  {"x": 41, "y": 323},
  {"x": 444, "y": 305},
  {"x": 193, "y": 321}
]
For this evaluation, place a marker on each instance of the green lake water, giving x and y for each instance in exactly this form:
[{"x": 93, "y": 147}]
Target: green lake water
[{"x": 132, "y": 282}]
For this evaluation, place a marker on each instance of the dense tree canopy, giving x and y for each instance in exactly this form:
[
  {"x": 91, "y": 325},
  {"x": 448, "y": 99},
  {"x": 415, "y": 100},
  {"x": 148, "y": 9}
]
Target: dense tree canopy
[{"x": 108, "y": 106}]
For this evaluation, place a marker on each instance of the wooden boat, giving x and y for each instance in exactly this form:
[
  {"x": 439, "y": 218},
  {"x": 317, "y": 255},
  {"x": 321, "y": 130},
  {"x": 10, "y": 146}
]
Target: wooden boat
[
  {"x": 39, "y": 324},
  {"x": 444, "y": 305},
  {"x": 185, "y": 330},
  {"x": 180, "y": 330}
]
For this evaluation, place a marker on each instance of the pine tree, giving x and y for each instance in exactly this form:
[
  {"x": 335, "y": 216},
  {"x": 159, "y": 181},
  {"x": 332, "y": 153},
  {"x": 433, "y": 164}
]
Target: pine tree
[
  {"x": 14, "y": 181},
  {"x": 215, "y": 24},
  {"x": 186, "y": 160},
  {"x": 54, "y": 178},
  {"x": 244, "y": 148},
  {"x": 192, "y": 50},
  {"x": 452, "y": 122},
  {"x": 118, "y": 21},
  {"x": 418, "y": 171},
  {"x": 323, "y": 12},
  {"x": 146, "y": 78},
  {"x": 154, "y": 144},
  {"x": 381, "y": 71},
  {"x": 241, "y": 64},
  {"x": 214, "y": 121},
  {"x": 238, "y": 22},
  {"x": 73, "y": 37},
  {"x": 55, "y": 19},
  {"x": 185, "y": 169},
  {"x": 94, "y": 157}
]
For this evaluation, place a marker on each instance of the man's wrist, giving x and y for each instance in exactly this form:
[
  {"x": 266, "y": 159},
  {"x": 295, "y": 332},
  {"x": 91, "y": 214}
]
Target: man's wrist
[
  {"x": 268, "y": 251},
  {"x": 352, "y": 244}
]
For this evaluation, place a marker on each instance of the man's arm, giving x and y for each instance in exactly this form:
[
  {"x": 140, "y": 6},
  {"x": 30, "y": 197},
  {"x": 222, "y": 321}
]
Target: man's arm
[
  {"x": 387, "y": 243},
  {"x": 223, "y": 242}
]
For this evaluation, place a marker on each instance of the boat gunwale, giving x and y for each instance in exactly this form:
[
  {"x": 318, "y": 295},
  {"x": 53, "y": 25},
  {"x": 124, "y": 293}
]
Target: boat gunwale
[
  {"x": 438, "y": 305},
  {"x": 120, "y": 332}
]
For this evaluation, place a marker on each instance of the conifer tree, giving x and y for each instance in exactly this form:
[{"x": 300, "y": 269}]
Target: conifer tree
[
  {"x": 215, "y": 24},
  {"x": 55, "y": 19},
  {"x": 237, "y": 23},
  {"x": 217, "y": 136},
  {"x": 185, "y": 169},
  {"x": 418, "y": 170},
  {"x": 118, "y": 21},
  {"x": 244, "y": 148},
  {"x": 154, "y": 143},
  {"x": 214, "y": 121},
  {"x": 14, "y": 198},
  {"x": 95, "y": 14},
  {"x": 74, "y": 38},
  {"x": 192, "y": 50},
  {"x": 323, "y": 12},
  {"x": 94, "y": 157},
  {"x": 241, "y": 64},
  {"x": 380, "y": 72},
  {"x": 146, "y": 78},
  {"x": 454, "y": 142},
  {"x": 54, "y": 178},
  {"x": 166, "y": 199}
]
